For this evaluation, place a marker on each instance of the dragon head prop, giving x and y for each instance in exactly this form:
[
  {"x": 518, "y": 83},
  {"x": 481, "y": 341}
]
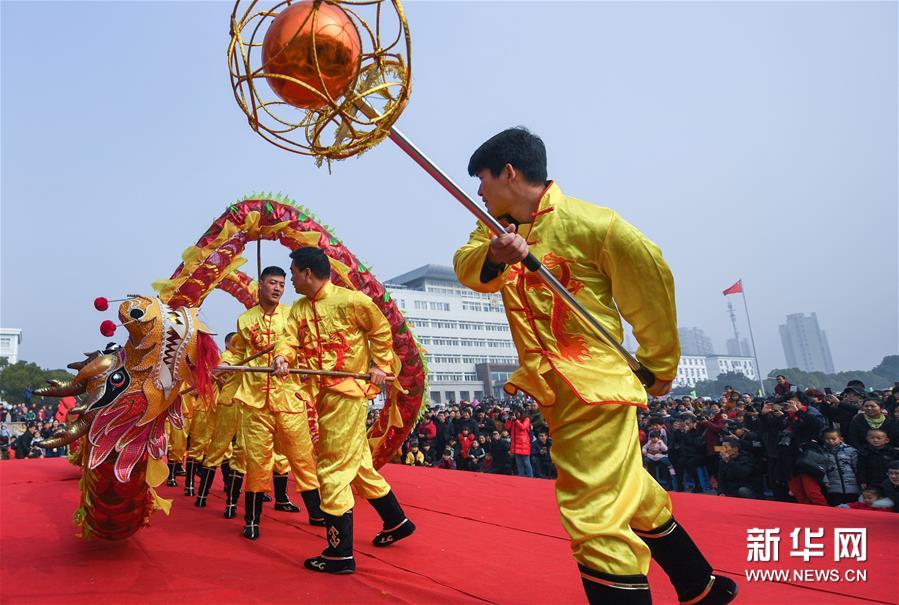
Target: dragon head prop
[{"x": 129, "y": 392}]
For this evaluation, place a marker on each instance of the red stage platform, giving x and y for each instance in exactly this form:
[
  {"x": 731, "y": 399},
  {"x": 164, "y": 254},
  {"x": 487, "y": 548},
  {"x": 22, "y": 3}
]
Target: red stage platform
[{"x": 480, "y": 539}]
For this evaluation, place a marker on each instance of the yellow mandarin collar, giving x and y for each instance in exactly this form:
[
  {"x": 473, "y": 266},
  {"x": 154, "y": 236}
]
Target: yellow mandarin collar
[
  {"x": 551, "y": 196},
  {"x": 324, "y": 291},
  {"x": 264, "y": 314}
]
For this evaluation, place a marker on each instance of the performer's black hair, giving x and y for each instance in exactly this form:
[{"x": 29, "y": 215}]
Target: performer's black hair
[
  {"x": 517, "y": 146},
  {"x": 314, "y": 259},
  {"x": 229, "y": 336},
  {"x": 277, "y": 271}
]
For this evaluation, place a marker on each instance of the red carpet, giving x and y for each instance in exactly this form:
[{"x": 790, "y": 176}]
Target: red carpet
[{"x": 480, "y": 539}]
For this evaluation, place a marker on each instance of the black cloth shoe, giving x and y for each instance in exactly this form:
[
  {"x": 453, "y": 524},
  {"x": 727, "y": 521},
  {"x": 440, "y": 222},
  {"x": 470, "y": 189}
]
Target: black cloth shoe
[
  {"x": 337, "y": 558},
  {"x": 191, "y": 474},
  {"x": 396, "y": 525},
  {"x": 266, "y": 497},
  {"x": 179, "y": 469},
  {"x": 313, "y": 501},
  {"x": 206, "y": 476},
  {"x": 282, "y": 500},
  {"x": 171, "y": 479},
  {"x": 607, "y": 589},
  {"x": 689, "y": 572},
  {"x": 233, "y": 495},
  {"x": 252, "y": 515}
]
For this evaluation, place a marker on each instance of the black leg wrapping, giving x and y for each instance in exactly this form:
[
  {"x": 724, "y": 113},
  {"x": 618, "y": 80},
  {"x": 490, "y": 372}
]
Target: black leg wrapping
[
  {"x": 191, "y": 474},
  {"x": 206, "y": 476},
  {"x": 282, "y": 500},
  {"x": 171, "y": 479},
  {"x": 337, "y": 558},
  {"x": 252, "y": 515},
  {"x": 690, "y": 573},
  {"x": 233, "y": 494},
  {"x": 396, "y": 525},
  {"x": 226, "y": 474},
  {"x": 607, "y": 589},
  {"x": 313, "y": 501}
]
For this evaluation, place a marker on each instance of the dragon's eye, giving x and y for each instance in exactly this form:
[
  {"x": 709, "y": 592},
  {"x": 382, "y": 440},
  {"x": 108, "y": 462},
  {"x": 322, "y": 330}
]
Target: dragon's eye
[
  {"x": 117, "y": 379},
  {"x": 136, "y": 313}
]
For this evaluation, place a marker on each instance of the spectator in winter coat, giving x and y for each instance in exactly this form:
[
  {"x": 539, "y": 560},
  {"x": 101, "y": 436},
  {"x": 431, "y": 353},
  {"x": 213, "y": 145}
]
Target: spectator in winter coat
[
  {"x": 447, "y": 461},
  {"x": 691, "y": 456},
  {"x": 841, "y": 483},
  {"x": 783, "y": 385},
  {"x": 541, "y": 459},
  {"x": 414, "y": 457},
  {"x": 427, "y": 431},
  {"x": 476, "y": 455},
  {"x": 737, "y": 475},
  {"x": 890, "y": 486},
  {"x": 655, "y": 457},
  {"x": 872, "y": 418},
  {"x": 520, "y": 428},
  {"x": 711, "y": 434},
  {"x": 872, "y": 499},
  {"x": 499, "y": 453},
  {"x": 798, "y": 427},
  {"x": 874, "y": 459}
]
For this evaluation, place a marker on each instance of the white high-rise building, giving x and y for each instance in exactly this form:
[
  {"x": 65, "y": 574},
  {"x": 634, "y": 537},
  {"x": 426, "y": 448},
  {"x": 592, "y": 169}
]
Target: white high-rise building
[
  {"x": 470, "y": 351},
  {"x": 805, "y": 344},
  {"x": 10, "y": 339}
]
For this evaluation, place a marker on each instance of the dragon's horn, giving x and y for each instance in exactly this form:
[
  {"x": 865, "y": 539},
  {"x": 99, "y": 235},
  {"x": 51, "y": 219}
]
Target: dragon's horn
[
  {"x": 61, "y": 389},
  {"x": 68, "y": 433},
  {"x": 77, "y": 365}
]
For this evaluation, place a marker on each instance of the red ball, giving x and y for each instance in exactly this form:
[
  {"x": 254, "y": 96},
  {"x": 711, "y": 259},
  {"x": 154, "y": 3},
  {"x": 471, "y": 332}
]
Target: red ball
[
  {"x": 101, "y": 304},
  {"x": 288, "y": 50},
  {"x": 107, "y": 328}
]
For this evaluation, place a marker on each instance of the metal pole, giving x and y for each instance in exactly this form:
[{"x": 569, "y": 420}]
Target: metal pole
[
  {"x": 531, "y": 262},
  {"x": 755, "y": 352}
]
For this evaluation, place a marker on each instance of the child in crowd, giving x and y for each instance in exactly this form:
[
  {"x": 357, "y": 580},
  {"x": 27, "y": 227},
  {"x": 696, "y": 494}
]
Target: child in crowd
[
  {"x": 872, "y": 498},
  {"x": 414, "y": 457},
  {"x": 655, "y": 455},
  {"x": 874, "y": 458},
  {"x": 447, "y": 460},
  {"x": 841, "y": 481}
]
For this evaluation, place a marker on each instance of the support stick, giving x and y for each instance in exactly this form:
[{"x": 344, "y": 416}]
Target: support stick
[
  {"x": 243, "y": 361},
  {"x": 302, "y": 371},
  {"x": 531, "y": 262}
]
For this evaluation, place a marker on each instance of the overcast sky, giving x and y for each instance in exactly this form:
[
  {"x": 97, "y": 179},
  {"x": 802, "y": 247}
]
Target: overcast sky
[{"x": 750, "y": 140}]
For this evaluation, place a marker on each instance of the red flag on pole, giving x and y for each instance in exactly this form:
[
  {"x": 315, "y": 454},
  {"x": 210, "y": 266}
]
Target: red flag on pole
[{"x": 735, "y": 289}]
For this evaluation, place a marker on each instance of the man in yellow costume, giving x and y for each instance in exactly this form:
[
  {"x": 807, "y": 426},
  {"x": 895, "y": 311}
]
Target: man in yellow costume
[
  {"x": 199, "y": 422},
  {"x": 336, "y": 329},
  {"x": 616, "y": 514},
  {"x": 272, "y": 416}
]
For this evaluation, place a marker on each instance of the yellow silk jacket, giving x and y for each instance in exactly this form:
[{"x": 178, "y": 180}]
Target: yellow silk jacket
[
  {"x": 224, "y": 394},
  {"x": 609, "y": 267},
  {"x": 256, "y": 331},
  {"x": 339, "y": 330}
]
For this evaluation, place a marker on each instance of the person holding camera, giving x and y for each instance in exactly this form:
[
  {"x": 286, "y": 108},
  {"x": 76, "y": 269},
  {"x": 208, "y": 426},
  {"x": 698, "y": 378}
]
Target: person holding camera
[
  {"x": 798, "y": 429},
  {"x": 519, "y": 426}
]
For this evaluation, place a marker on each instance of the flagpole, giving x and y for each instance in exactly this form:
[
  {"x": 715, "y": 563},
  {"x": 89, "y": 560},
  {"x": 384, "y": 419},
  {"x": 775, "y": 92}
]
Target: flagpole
[{"x": 755, "y": 351}]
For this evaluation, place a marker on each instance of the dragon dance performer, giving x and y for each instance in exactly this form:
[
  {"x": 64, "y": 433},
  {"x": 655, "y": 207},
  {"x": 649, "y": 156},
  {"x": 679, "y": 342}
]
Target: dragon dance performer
[
  {"x": 336, "y": 329},
  {"x": 225, "y": 428},
  {"x": 272, "y": 416},
  {"x": 199, "y": 422},
  {"x": 615, "y": 513},
  {"x": 177, "y": 439}
]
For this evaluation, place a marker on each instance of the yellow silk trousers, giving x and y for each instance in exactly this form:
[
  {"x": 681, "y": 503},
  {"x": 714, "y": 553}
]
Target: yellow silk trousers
[
  {"x": 201, "y": 426},
  {"x": 344, "y": 458},
  {"x": 602, "y": 490},
  {"x": 177, "y": 441},
  {"x": 225, "y": 429},
  {"x": 264, "y": 432}
]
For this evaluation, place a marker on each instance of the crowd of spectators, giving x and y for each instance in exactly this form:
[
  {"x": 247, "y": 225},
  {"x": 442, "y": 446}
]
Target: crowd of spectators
[
  {"x": 23, "y": 424},
  {"x": 502, "y": 437},
  {"x": 796, "y": 445}
]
